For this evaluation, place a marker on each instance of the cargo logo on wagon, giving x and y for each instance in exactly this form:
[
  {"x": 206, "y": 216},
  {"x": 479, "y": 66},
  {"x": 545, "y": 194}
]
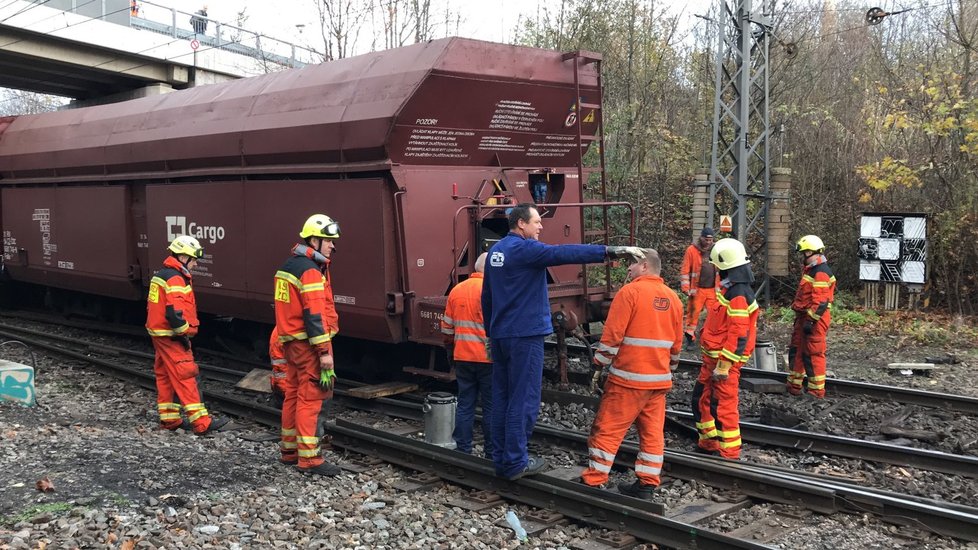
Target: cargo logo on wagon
[{"x": 177, "y": 225}]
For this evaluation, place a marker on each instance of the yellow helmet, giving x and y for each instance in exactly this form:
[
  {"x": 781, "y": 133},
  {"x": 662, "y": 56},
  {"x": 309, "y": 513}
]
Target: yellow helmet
[
  {"x": 320, "y": 225},
  {"x": 185, "y": 244},
  {"x": 810, "y": 242},
  {"x": 728, "y": 254}
]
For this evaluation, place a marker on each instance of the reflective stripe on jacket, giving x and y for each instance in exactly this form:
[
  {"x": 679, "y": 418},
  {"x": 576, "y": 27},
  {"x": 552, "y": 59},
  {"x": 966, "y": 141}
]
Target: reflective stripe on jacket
[
  {"x": 304, "y": 308},
  {"x": 642, "y": 335},
  {"x": 816, "y": 291},
  {"x": 463, "y": 321},
  {"x": 730, "y": 329},
  {"x": 171, "y": 309}
]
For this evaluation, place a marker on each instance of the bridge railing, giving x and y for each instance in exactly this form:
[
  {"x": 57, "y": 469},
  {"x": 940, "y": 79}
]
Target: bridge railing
[{"x": 177, "y": 24}]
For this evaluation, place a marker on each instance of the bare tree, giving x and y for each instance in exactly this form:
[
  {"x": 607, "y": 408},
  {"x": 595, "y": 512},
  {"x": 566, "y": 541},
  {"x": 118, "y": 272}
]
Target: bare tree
[{"x": 340, "y": 23}]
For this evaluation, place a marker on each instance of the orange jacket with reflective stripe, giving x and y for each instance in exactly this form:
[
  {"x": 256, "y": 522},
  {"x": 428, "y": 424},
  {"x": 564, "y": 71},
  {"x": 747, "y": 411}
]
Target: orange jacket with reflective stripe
[
  {"x": 462, "y": 322},
  {"x": 692, "y": 267},
  {"x": 730, "y": 329},
  {"x": 816, "y": 291},
  {"x": 171, "y": 309},
  {"x": 304, "y": 308},
  {"x": 642, "y": 335}
]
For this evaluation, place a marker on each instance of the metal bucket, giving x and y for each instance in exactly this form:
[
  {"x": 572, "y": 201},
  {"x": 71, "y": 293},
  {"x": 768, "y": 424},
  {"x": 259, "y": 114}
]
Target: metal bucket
[
  {"x": 765, "y": 356},
  {"x": 439, "y": 419}
]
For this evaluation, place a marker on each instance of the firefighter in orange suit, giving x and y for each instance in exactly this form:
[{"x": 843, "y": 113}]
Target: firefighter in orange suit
[
  {"x": 465, "y": 339},
  {"x": 279, "y": 378},
  {"x": 727, "y": 342},
  {"x": 171, "y": 319},
  {"x": 639, "y": 349},
  {"x": 813, "y": 313},
  {"x": 306, "y": 321},
  {"x": 698, "y": 280}
]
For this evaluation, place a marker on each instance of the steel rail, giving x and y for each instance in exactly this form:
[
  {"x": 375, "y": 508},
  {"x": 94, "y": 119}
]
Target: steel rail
[
  {"x": 762, "y": 482},
  {"x": 238, "y": 407},
  {"x": 639, "y": 518},
  {"x": 214, "y": 372},
  {"x": 934, "y": 400},
  {"x": 799, "y": 440},
  {"x": 783, "y": 485},
  {"x": 793, "y": 487}
]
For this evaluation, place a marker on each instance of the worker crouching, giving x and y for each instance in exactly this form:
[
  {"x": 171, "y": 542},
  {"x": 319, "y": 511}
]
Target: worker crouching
[
  {"x": 727, "y": 342},
  {"x": 306, "y": 322},
  {"x": 171, "y": 319},
  {"x": 639, "y": 349}
]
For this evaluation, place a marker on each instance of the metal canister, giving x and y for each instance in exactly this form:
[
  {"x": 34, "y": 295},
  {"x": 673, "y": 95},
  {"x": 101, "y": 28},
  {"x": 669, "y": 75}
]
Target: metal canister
[
  {"x": 439, "y": 419},
  {"x": 765, "y": 356}
]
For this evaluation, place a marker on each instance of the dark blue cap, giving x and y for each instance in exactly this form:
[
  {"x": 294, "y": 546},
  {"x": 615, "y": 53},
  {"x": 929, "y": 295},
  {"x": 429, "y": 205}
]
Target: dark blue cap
[{"x": 707, "y": 232}]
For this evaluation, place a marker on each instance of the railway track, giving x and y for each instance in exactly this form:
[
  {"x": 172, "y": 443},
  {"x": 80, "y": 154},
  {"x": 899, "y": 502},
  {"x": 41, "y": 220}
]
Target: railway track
[
  {"x": 800, "y": 440},
  {"x": 761, "y": 483}
]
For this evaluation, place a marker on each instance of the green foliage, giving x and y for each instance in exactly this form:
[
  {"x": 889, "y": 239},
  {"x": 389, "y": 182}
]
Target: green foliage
[
  {"x": 34, "y": 511},
  {"x": 849, "y": 317}
]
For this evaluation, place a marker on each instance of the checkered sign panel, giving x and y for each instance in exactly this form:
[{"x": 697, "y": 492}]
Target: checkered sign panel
[{"x": 893, "y": 248}]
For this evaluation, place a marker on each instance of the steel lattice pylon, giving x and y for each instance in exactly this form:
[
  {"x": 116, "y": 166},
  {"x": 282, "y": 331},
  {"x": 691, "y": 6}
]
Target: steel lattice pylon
[{"x": 739, "y": 175}]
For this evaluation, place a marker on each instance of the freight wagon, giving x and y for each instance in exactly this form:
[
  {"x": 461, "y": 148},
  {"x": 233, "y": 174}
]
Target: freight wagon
[{"x": 415, "y": 151}]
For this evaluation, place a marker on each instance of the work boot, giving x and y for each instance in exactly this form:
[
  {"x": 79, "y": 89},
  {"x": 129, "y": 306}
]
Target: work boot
[
  {"x": 637, "y": 490},
  {"x": 582, "y": 482},
  {"x": 534, "y": 466},
  {"x": 290, "y": 460},
  {"x": 689, "y": 343},
  {"x": 217, "y": 423},
  {"x": 324, "y": 469}
]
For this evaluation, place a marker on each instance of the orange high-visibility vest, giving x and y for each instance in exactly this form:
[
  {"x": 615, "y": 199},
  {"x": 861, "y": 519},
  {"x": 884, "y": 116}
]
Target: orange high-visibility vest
[
  {"x": 642, "y": 335},
  {"x": 304, "y": 308},
  {"x": 171, "y": 309},
  {"x": 463, "y": 321},
  {"x": 730, "y": 329},
  {"x": 816, "y": 291}
]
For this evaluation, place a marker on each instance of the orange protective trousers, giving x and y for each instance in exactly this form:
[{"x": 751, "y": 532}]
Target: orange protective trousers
[
  {"x": 715, "y": 410},
  {"x": 619, "y": 408},
  {"x": 176, "y": 384},
  {"x": 694, "y": 306},
  {"x": 807, "y": 354},
  {"x": 303, "y": 401}
]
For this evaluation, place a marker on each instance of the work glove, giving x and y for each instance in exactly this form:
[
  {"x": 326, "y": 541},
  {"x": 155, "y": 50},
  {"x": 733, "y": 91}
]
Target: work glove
[
  {"x": 597, "y": 384},
  {"x": 183, "y": 339},
  {"x": 691, "y": 292},
  {"x": 722, "y": 370},
  {"x": 807, "y": 327},
  {"x": 327, "y": 379},
  {"x": 619, "y": 252},
  {"x": 673, "y": 365}
]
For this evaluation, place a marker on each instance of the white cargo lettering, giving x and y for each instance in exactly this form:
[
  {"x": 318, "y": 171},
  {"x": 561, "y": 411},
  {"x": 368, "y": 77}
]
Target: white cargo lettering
[{"x": 210, "y": 233}]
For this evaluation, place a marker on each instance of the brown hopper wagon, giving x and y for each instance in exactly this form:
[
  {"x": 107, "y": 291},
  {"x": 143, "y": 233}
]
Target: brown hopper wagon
[{"x": 415, "y": 151}]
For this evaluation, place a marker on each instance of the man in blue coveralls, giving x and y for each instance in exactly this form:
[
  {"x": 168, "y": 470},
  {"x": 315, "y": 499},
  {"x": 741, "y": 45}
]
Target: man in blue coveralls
[{"x": 516, "y": 312}]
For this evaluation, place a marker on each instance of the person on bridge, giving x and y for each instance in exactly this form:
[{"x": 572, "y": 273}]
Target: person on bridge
[
  {"x": 279, "y": 377},
  {"x": 306, "y": 322},
  {"x": 813, "y": 313},
  {"x": 171, "y": 320},
  {"x": 727, "y": 342},
  {"x": 199, "y": 21},
  {"x": 516, "y": 310},
  {"x": 639, "y": 349},
  {"x": 465, "y": 339},
  {"x": 698, "y": 280}
]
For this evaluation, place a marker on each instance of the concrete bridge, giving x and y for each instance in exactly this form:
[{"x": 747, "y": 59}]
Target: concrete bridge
[{"x": 102, "y": 51}]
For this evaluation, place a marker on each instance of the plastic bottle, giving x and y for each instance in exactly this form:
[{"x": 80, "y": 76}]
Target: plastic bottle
[{"x": 514, "y": 523}]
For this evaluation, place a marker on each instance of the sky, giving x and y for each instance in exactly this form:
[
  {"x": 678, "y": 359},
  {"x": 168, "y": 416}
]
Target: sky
[{"x": 296, "y": 20}]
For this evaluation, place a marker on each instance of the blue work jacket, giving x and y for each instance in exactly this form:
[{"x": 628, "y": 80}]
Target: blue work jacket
[{"x": 514, "y": 292}]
